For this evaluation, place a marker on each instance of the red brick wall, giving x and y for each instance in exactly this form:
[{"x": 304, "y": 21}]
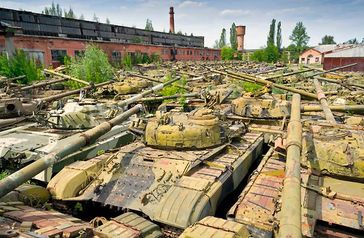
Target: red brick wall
[
  {"x": 46, "y": 44},
  {"x": 330, "y": 63}
]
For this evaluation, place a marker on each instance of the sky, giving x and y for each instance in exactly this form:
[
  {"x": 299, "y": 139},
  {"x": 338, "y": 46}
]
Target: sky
[{"x": 344, "y": 19}]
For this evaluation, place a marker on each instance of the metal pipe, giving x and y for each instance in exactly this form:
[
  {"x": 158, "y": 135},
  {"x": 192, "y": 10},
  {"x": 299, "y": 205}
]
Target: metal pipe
[
  {"x": 66, "y": 76},
  {"x": 74, "y": 144},
  {"x": 324, "y": 104},
  {"x": 290, "y": 219}
]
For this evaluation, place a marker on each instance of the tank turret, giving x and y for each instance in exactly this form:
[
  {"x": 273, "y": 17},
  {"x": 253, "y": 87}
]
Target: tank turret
[{"x": 198, "y": 129}]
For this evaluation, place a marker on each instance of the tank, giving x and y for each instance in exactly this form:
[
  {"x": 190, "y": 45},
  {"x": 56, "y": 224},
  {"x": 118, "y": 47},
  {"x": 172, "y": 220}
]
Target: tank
[
  {"x": 23, "y": 145},
  {"x": 313, "y": 192},
  {"x": 181, "y": 169},
  {"x": 267, "y": 106}
]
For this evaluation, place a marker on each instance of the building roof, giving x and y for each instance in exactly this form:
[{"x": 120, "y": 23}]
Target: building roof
[
  {"x": 326, "y": 48},
  {"x": 357, "y": 51}
]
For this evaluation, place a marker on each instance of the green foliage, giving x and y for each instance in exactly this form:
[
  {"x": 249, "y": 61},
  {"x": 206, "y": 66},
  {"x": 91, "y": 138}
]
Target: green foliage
[
  {"x": 251, "y": 87},
  {"x": 269, "y": 54},
  {"x": 129, "y": 60},
  {"x": 299, "y": 38},
  {"x": 233, "y": 37},
  {"x": 174, "y": 89},
  {"x": 54, "y": 10},
  {"x": 272, "y": 31},
  {"x": 227, "y": 53},
  {"x": 3, "y": 174},
  {"x": 222, "y": 41},
  {"x": 353, "y": 41},
  {"x": 69, "y": 13},
  {"x": 216, "y": 44},
  {"x": 149, "y": 25},
  {"x": 136, "y": 40},
  {"x": 92, "y": 66},
  {"x": 19, "y": 64},
  {"x": 126, "y": 62},
  {"x": 279, "y": 36},
  {"x": 327, "y": 40}
]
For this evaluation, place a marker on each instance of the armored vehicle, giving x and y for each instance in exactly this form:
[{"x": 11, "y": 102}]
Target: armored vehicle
[
  {"x": 185, "y": 165},
  {"x": 23, "y": 145}
]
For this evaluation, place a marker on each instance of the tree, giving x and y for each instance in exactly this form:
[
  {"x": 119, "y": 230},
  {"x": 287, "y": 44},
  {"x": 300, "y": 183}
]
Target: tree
[
  {"x": 53, "y": 10},
  {"x": 149, "y": 25},
  {"x": 179, "y": 32},
  {"x": 299, "y": 37},
  {"x": 222, "y": 41},
  {"x": 327, "y": 40},
  {"x": 69, "y": 14},
  {"x": 279, "y": 37},
  {"x": 272, "y": 31},
  {"x": 95, "y": 18},
  {"x": 107, "y": 20},
  {"x": 216, "y": 44},
  {"x": 352, "y": 41},
  {"x": 233, "y": 37},
  {"x": 82, "y": 17}
]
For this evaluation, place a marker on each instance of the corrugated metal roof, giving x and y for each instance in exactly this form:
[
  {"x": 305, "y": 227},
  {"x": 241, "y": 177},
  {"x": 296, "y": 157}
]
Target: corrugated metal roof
[
  {"x": 357, "y": 51},
  {"x": 326, "y": 48}
]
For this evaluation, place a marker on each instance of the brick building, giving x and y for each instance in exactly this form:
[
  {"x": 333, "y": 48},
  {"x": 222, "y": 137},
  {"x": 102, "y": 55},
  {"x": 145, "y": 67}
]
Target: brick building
[{"x": 48, "y": 38}]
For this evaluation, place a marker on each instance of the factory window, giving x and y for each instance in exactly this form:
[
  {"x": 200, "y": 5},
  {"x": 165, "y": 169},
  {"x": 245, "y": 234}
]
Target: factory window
[
  {"x": 303, "y": 59},
  {"x": 58, "y": 55},
  {"x": 317, "y": 59},
  {"x": 116, "y": 56},
  {"x": 79, "y": 53}
]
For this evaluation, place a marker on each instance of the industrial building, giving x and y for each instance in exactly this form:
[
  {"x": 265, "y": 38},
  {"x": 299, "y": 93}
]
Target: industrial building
[
  {"x": 49, "y": 38},
  {"x": 346, "y": 56}
]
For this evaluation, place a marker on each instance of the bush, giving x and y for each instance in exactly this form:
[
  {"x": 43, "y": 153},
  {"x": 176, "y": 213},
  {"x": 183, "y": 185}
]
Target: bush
[
  {"x": 269, "y": 54},
  {"x": 19, "y": 65},
  {"x": 227, "y": 53},
  {"x": 92, "y": 66}
]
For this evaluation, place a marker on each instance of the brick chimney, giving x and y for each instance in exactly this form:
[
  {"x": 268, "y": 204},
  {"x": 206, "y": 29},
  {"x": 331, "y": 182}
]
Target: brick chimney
[
  {"x": 171, "y": 20},
  {"x": 240, "y": 33}
]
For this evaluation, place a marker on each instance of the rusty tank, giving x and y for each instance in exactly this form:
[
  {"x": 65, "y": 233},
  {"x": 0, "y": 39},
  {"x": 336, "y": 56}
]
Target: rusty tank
[{"x": 179, "y": 172}]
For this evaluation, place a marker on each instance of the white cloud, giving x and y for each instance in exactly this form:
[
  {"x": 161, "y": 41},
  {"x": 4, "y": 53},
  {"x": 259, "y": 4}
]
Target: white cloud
[
  {"x": 191, "y": 4},
  {"x": 234, "y": 12}
]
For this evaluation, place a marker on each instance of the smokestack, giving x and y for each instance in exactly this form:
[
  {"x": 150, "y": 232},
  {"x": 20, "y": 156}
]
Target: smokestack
[
  {"x": 240, "y": 33},
  {"x": 171, "y": 20}
]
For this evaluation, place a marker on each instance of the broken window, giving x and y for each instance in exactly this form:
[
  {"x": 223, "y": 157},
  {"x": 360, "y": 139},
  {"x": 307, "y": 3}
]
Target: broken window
[
  {"x": 116, "y": 56},
  {"x": 58, "y": 55}
]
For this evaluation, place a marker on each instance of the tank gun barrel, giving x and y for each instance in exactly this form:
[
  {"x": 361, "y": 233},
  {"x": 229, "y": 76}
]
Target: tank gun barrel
[
  {"x": 37, "y": 85},
  {"x": 290, "y": 224},
  {"x": 76, "y": 91},
  {"x": 324, "y": 104},
  {"x": 66, "y": 76},
  {"x": 288, "y": 74},
  {"x": 155, "y": 80},
  {"x": 75, "y": 142},
  {"x": 252, "y": 79},
  {"x": 152, "y": 99},
  {"x": 340, "y": 82},
  {"x": 337, "y": 108},
  {"x": 139, "y": 96},
  {"x": 331, "y": 70}
]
